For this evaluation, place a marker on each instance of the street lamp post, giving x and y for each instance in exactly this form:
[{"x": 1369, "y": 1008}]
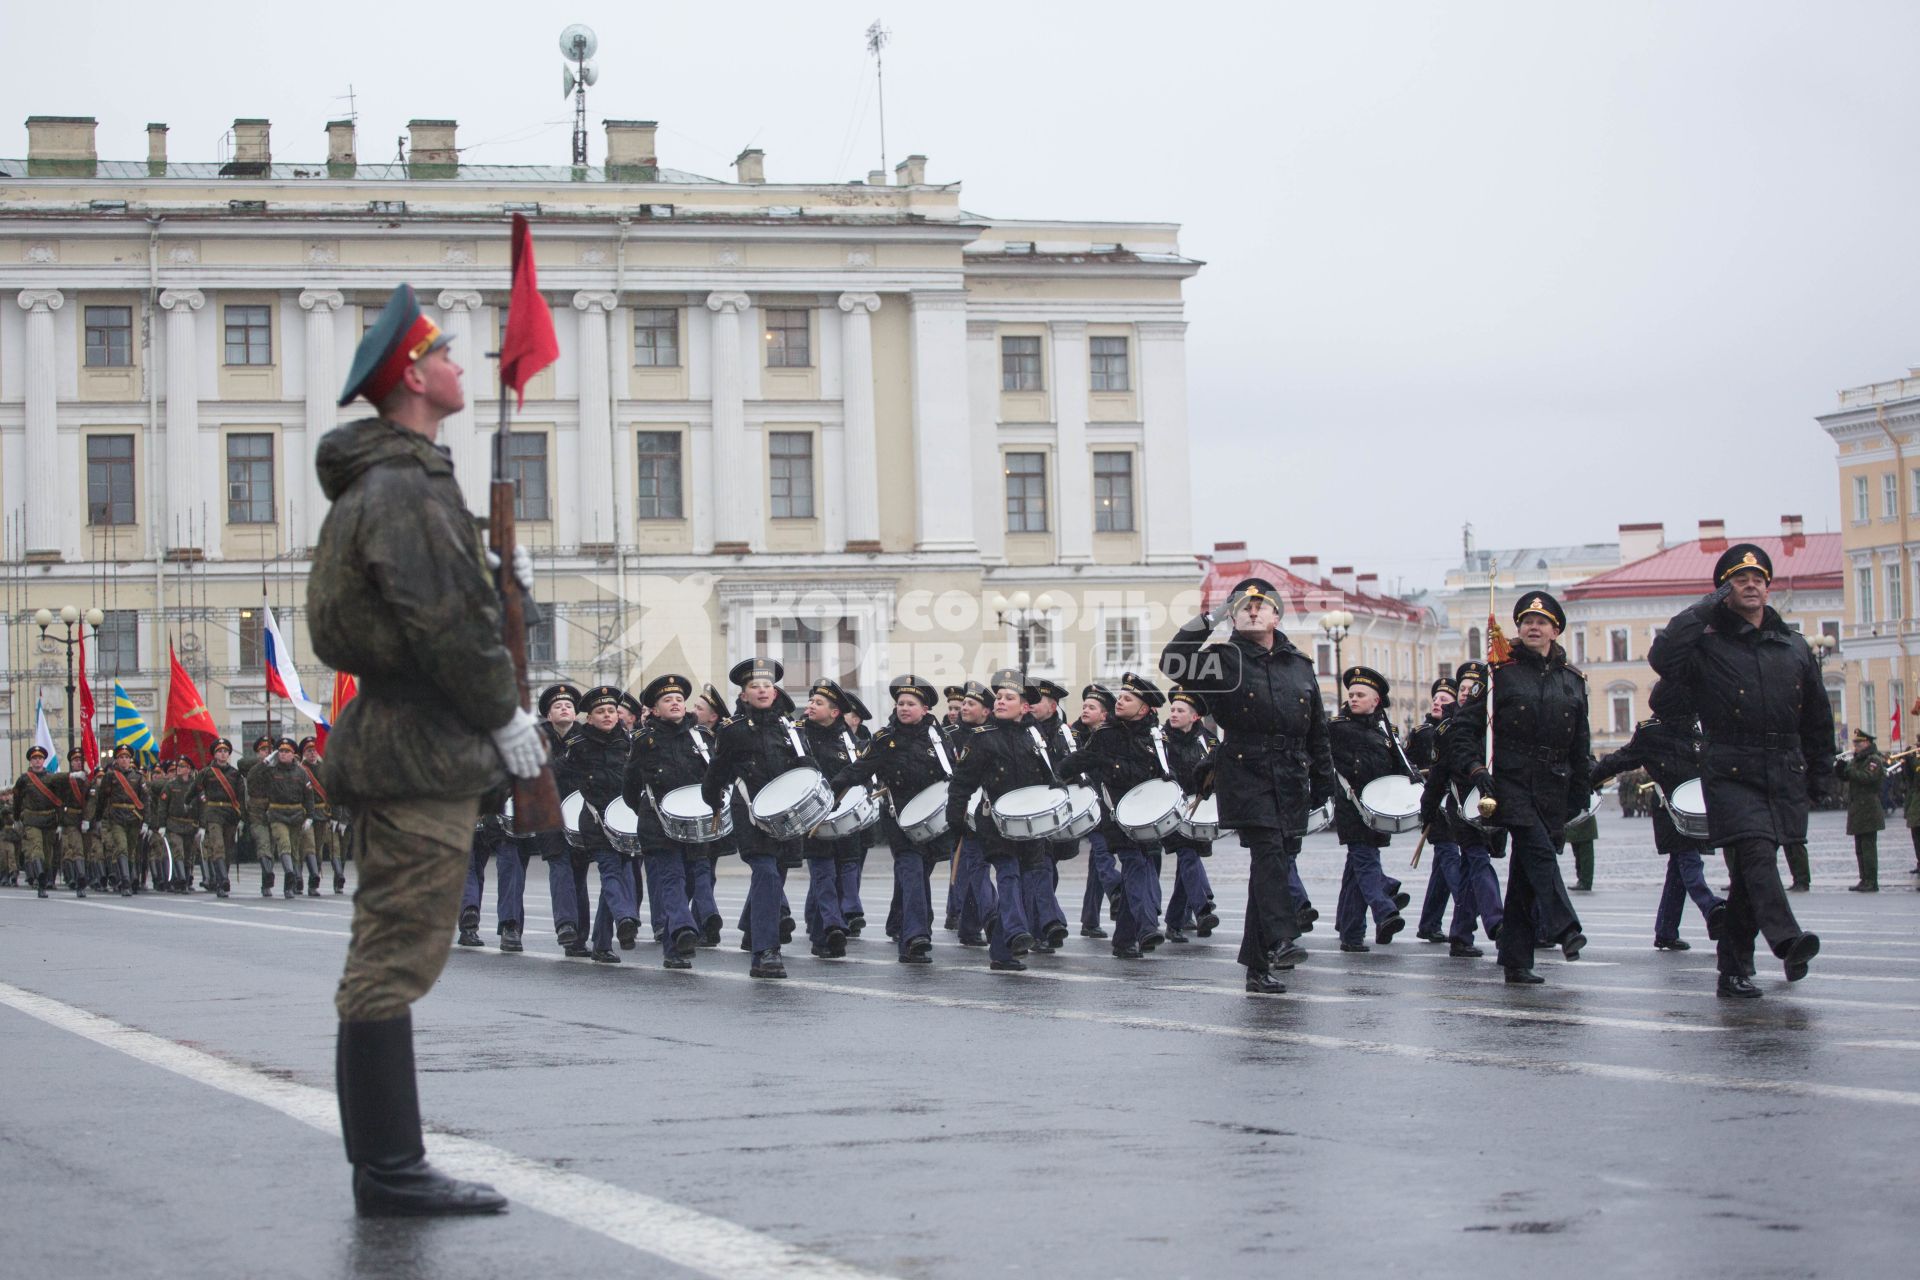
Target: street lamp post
[
  {"x": 1336, "y": 623},
  {"x": 1021, "y": 611},
  {"x": 1823, "y": 646},
  {"x": 43, "y": 618}
]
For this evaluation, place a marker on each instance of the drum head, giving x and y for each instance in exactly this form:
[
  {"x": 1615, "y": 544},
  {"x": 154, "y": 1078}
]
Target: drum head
[
  {"x": 1206, "y": 812},
  {"x": 1025, "y": 802},
  {"x": 1083, "y": 798},
  {"x": 570, "y": 810},
  {"x": 924, "y": 805},
  {"x": 1392, "y": 794},
  {"x": 620, "y": 818},
  {"x": 1690, "y": 797},
  {"x": 685, "y": 802},
  {"x": 856, "y": 796},
  {"x": 787, "y": 790},
  {"x": 1147, "y": 803},
  {"x": 506, "y": 811}
]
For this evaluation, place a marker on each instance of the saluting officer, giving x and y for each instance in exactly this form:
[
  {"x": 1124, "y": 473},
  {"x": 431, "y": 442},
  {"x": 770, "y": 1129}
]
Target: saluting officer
[
  {"x": 753, "y": 748},
  {"x": 1272, "y": 768},
  {"x": 1363, "y": 751},
  {"x": 907, "y": 755},
  {"x": 1190, "y": 744},
  {"x": 1537, "y": 705},
  {"x": 670, "y": 751},
  {"x": 1768, "y": 725}
]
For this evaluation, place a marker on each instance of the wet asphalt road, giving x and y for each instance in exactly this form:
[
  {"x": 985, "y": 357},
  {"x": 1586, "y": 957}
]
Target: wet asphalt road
[{"x": 1398, "y": 1112}]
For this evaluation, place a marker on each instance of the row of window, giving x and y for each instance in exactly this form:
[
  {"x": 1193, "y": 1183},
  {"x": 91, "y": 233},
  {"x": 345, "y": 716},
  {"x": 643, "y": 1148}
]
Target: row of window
[
  {"x": 1023, "y": 369},
  {"x": 109, "y": 335},
  {"x": 1890, "y": 605},
  {"x": 1889, "y": 496}
]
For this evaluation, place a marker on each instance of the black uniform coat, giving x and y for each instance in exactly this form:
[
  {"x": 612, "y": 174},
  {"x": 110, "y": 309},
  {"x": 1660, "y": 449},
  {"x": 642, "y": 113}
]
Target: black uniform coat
[
  {"x": 997, "y": 757},
  {"x": 1763, "y": 709},
  {"x": 1273, "y": 767},
  {"x": 1361, "y": 753},
  {"x": 1420, "y": 743},
  {"x": 666, "y": 755},
  {"x": 1187, "y": 750},
  {"x": 595, "y": 765},
  {"x": 827, "y": 746},
  {"x": 903, "y": 760},
  {"x": 1541, "y": 752},
  {"x": 1670, "y": 753},
  {"x": 1118, "y": 756},
  {"x": 752, "y": 747},
  {"x": 1439, "y": 806}
]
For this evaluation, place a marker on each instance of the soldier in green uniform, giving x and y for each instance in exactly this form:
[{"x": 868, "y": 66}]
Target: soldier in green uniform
[
  {"x": 37, "y": 811},
  {"x": 173, "y": 817},
  {"x": 258, "y": 832},
  {"x": 78, "y": 846},
  {"x": 1912, "y": 806},
  {"x": 1863, "y": 773},
  {"x": 400, "y": 596},
  {"x": 219, "y": 798},
  {"x": 283, "y": 784},
  {"x": 323, "y": 840},
  {"x": 1581, "y": 833},
  {"x": 119, "y": 809},
  {"x": 9, "y": 841}
]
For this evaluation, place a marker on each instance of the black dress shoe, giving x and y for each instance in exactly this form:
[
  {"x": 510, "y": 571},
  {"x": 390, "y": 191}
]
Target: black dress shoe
[
  {"x": 836, "y": 942},
  {"x": 1128, "y": 952},
  {"x": 1264, "y": 984},
  {"x": 605, "y": 955},
  {"x": 1400, "y": 901},
  {"x": 919, "y": 946},
  {"x": 855, "y": 924},
  {"x": 1174, "y": 935},
  {"x": 686, "y": 942},
  {"x": 1286, "y": 957},
  {"x": 1798, "y": 886},
  {"x": 972, "y": 940},
  {"x": 1092, "y": 931},
  {"x": 916, "y": 957},
  {"x": 1465, "y": 950},
  {"x": 1306, "y": 916},
  {"x": 1735, "y": 986},
  {"x": 1206, "y": 924},
  {"x": 1384, "y": 931},
  {"x": 627, "y": 931},
  {"x": 1007, "y": 966},
  {"x": 1040, "y": 948},
  {"x": 786, "y": 930},
  {"x": 1355, "y": 946},
  {"x": 771, "y": 967},
  {"x": 1672, "y": 944},
  {"x": 1570, "y": 947},
  {"x": 339, "y": 884},
  {"x": 711, "y": 931},
  {"x": 470, "y": 938},
  {"x": 567, "y": 935},
  {"x": 1056, "y": 934},
  {"x": 952, "y": 923},
  {"x": 1523, "y": 977},
  {"x": 576, "y": 952},
  {"x": 1431, "y": 935},
  {"x": 1716, "y": 921},
  {"x": 1152, "y": 939},
  {"x": 510, "y": 938},
  {"x": 1863, "y": 887},
  {"x": 1799, "y": 952},
  {"x": 676, "y": 962},
  {"x": 1020, "y": 943}
]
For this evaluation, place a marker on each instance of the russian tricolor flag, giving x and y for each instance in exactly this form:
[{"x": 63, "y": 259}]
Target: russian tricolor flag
[{"x": 284, "y": 680}]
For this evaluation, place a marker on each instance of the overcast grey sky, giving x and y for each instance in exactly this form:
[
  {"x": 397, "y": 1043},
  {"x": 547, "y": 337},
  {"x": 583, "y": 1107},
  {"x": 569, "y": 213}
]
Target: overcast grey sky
[{"x": 1544, "y": 267}]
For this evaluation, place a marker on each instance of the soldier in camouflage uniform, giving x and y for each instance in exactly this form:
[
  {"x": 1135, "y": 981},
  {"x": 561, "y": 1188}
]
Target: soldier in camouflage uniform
[
  {"x": 259, "y": 834},
  {"x": 118, "y": 808},
  {"x": 219, "y": 798},
  {"x": 9, "y": 841},
  {"x": 283, "y": 784},
  {"x": 1864, "y": 772},
  {"x": 323, "y": 843},
  {"x": 37, "y": 811},
  {"x": 400, "y": 596},
  {"x": 173, "y": 818}
]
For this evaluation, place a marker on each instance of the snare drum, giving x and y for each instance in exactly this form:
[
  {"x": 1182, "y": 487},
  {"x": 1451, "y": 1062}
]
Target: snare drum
[
  {"x": 1390, "y": 805},
  {"x": 622, "y": 828},
  {"x": 1687, "y": 806},
  {"x": 1151, "y": 811},
  {"x": 572, "y": 811},
  {"x": 1200, "y": 820},
  {"x": 685, "y": 817},
  {"x": 1031, "y": 813},
  {"x": 1470, "y": 813},
  {"x": 857, "y": 810},
  {"x": 924, "y": 818},
  {"x": 1085, "y": 817},
  {"x": 792, "y": 804},
  {"x": 1320, "y": 819}
]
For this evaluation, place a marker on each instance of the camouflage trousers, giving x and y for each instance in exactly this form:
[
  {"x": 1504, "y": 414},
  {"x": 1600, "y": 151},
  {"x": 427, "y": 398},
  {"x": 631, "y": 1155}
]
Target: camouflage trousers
[
  {"x": 39, "y": 845},
  {"x": 9, "y": 853},
  {"x": 221, "y": 834},
  {"x": 412, "y": 857},
  {"x": 121, "y": 840}
]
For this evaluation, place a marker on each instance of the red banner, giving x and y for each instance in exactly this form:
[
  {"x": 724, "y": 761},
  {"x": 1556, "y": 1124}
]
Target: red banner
[
  {"x": 190, "y": 730},
  {"x": 89, "y": 745}
]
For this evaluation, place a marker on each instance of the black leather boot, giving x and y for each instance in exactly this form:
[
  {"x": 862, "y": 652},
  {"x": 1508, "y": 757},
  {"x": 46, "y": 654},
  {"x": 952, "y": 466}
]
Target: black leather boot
[{"x": 380, "y": 1120}]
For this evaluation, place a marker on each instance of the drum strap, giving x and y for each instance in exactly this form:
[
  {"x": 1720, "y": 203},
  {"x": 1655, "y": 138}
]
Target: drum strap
[
  {"x": 1040, "y": 745},
  {"x": 853, "y": 752},
  {"x": 1160, "y": 750},
  {"x": 700, "y": 745},
  {"x": 793, "y": 736},
  {"x": 940, "y": 750}
]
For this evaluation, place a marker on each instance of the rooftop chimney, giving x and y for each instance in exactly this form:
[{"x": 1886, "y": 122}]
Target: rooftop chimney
[
  {"x": 252, "y": 150},
  {"x": 1343, "y": 577},
  {"x": 60, "y": 147},
  {"x": 632, "y": 155},
  {"x": 1307, "y": 567},
  {"x": 1792, "y": 527},
  {"x": 1713, "y": 535},
  {"x": 750, "y": 166},
  {"x": 1367, "y": 584},
  {"x": 340, "y": 159},
  {"x": 156, "y": 151},
  {"x": 1230, "y": 548},
  {"x": 430, "y": 149},
  {"x": 911, "y": 172},
  {"x": 1638, "y": 541},
  {"x": 876, "y": 177}
]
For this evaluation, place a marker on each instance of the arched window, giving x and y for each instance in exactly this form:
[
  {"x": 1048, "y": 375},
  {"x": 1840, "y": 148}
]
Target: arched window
[{"x": 1473, "y": 643}]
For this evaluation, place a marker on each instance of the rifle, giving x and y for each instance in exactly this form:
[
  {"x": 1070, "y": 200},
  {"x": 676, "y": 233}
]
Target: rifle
[{"x": 536, "y": 800}]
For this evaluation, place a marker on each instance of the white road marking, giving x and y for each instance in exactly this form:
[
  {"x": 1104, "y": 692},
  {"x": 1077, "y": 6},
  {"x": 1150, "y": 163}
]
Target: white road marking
[
  {"x": 682, "y": 1236},
  {"x": 1909, "y": 1045},
  {"x": 1577, "y": 1019}
]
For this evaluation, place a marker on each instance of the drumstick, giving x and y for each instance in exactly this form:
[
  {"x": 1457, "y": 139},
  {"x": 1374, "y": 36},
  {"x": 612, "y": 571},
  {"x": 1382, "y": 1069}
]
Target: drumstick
[{"x": 1418, "y": 847}]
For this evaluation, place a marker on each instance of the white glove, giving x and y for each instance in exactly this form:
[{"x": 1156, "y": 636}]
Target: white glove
[
  {"x": 519, "y": 745},
  {"x": 339, "y": 828},
  {"x": 306, "y": 824},
  {"x": 145, "y": 830},
  {"x": 85, "y": 825},
  {"x": 522, "y": 566}
]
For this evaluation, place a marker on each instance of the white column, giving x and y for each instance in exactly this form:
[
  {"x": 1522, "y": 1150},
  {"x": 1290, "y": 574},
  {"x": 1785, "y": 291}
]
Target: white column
[
  {"x": 983, "y": 423},
  {"x": 1165, "y": 463},
  {"x": 42, "y": 423},
  {"x": 943, "y": 492},
  {"x": 458, "y": 432},
  {"x": 1074, "y": 520},
  {"x": 596, "y": 427},
  {"x": 182, "y": 509},
  {"x": 306, "y": 505},
  {"x": 732, "y": 470},
  {"x": 856, "y": 398}
]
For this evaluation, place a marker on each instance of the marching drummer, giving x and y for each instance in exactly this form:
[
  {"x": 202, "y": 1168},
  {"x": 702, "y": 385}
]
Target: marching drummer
[
  {"x": 1103, "y": 873},
  {"x": 1188, "y": 746},
  {"x": 669, "y": 753},
  {"x": 753, "y": 748},
  {"x": 1476, "y": 889},
  {"x": 594, "y": 764},
  {"x": 1000, "y": 756},
  {"x": 829, "y": 743},
  {"x": 1668, "y": 747},
  {"x": 1120, "y": 755},
  {"x": 971, "y": 901},
  {"x": 1363, "y": 751},
  {"x": 1044, "y": 913},
  {"x": 908, "y": 755}
]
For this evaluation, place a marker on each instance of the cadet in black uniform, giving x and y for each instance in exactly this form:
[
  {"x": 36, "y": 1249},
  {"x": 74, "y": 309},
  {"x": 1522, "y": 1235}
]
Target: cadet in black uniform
[
  {"x": 566, "y": 865},
  {"x": 1476, "y": 892},
  {"x": 595, "y": 765},
  {"x": 1000, "y": 756},
  {"x": 853, "y": 858},
  {"x": 1045, "y": 915},
  {"x": 830, "y": 747},
  {"x": 670, "y": 751},
  {"x": 1189, "y": 746},
  {"x": 1443, "y": 876},
  {"x": 706, "y": 712},
  {"x": 1539, "y": 780},
  {"x": 1103, "y": 872},
  {"x": 1273, "y": 767},
  {"x": 906, "y": 756},
  {"x": 1363, "y": 750},
  {"x": 753, "y": 748},
  {"x": 1768, "y": 725}
]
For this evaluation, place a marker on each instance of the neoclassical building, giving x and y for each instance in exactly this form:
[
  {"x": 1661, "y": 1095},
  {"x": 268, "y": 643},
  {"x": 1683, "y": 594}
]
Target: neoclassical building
[{"x": 850, "y": 424}]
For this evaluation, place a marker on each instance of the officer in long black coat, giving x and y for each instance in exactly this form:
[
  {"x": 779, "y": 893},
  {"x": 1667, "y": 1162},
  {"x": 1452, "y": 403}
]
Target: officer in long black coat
[
  {"x": 1273, "y": 768},
  {"x": 906, "y": 755},
  {"x": 1768, "y": 725},
  {"x": 1541, "y": 757}
]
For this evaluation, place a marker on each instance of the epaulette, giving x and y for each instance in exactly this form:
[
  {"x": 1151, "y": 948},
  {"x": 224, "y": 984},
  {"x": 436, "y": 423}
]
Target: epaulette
[
  {"x": 730, "y": 720},
  {"x": 981, "y": 728},
  {"x": 1577, "y": 671}
]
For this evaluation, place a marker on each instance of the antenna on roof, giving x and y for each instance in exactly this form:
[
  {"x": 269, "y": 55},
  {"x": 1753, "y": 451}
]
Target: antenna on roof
[
  {"x": 577, "y": 45},
  {"x": 353, "y": 108},
  {"x": 877, "y": 37}
]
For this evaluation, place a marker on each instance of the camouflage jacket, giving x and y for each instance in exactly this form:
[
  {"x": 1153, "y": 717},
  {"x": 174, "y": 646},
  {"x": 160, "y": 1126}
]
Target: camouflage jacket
[{"x": 399, "y": 596}]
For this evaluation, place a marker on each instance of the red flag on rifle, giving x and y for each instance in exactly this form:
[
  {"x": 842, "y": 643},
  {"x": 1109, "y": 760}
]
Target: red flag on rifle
[
  {"x": 190, "y": 730},
  {"x": 529, "y": 344}
]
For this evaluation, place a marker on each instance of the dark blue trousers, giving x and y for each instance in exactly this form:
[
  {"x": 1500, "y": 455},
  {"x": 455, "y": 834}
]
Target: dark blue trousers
[
  {"x": 971, "y": 880},
  {"x": 1443, "y": 882},
  {"x": 699, "y": 875},
  {"x": 1009, "y": 921},
  {"x": 567, "y": 882},
  {"x": 1535, "y": 892},
  {"x": 666, "y": 872},
  {"x": 766, "y": 895},
  {"x": 618, "y": 894},
  {"x": 1686, "y": 878},
  {"x": 1479, "y": 895},
  {"x": 1103, "y": 880},
  {"x": 847, "y": 874},
  {"x": 1042, "y": 883},
  {"x": 1297, "y": 888},
  {"x": 1362, "y": 886},
  {"x": 510, "y": 860},
  {"x": 1191, "y": 889},
  {"x": 912, "y": 883},
  {"x": 823, "y": 898},
  {"x": 478, "y": 855},
  {"x": 1139, "y": 896}
]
